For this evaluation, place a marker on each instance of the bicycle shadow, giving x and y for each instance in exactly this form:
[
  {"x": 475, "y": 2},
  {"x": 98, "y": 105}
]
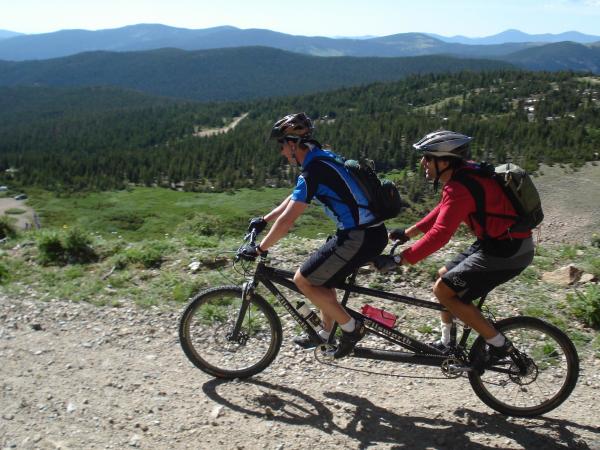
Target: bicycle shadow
[{"x": 370, "y": 425}]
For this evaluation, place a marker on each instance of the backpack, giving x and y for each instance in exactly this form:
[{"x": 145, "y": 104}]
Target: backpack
[
  {"x": 382, "y": 195},
  {"x": 518, "y": 187}
]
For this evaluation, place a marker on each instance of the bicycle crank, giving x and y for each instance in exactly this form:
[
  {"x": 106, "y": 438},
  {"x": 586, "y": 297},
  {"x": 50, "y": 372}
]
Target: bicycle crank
[{"x": 454, "y": 368}]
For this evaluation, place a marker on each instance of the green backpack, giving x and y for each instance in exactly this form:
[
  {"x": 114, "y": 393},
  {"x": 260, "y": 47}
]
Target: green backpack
[{"x": 518, "y": 187}]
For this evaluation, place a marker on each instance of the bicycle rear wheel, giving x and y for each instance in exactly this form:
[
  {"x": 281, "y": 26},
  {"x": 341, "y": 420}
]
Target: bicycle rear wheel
[
  {"x": 205, "y": 333},
  {"x": 552, "y": 369}
]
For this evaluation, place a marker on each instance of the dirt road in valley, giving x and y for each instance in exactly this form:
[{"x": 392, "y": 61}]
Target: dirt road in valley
[{"x": 25, "y": 219}]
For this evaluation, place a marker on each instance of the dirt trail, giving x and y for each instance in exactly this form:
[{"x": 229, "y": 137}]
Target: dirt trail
[
  {"x": 79, "y": 376},
  {"x": 212, "y": 131},
  {"x": 23, "y": 220}
]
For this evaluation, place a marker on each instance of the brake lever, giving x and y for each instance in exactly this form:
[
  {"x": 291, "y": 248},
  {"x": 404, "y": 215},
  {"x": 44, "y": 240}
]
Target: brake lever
[{"x": 249, "y": 237}]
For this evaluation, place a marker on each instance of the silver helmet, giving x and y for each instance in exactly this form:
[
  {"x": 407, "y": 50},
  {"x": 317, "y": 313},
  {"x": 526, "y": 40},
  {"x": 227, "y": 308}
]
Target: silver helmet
[{"x": 444, "y": 143}]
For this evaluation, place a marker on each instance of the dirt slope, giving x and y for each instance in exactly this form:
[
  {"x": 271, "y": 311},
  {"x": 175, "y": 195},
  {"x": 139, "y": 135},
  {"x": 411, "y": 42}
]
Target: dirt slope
[{"x": 571, "y": 203}]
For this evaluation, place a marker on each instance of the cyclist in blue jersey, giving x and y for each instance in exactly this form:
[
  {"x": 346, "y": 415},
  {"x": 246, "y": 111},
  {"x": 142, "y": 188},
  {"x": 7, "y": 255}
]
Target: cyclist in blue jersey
[{"x": 359, "y": 237}]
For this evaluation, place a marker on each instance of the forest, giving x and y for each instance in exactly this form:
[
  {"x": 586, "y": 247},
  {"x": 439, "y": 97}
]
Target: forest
[{"x": 95, "y": 140}]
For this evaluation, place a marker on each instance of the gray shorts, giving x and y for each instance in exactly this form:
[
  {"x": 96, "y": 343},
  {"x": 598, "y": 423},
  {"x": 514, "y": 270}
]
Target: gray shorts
[
  {"x": 481, "y": 267},
  {"x": 342, "y": 254}
]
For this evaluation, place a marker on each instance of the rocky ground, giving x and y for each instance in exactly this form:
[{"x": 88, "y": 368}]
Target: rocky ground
[
  {"x": 82, "y": 377},
  {"x": 78, "y": 376}
]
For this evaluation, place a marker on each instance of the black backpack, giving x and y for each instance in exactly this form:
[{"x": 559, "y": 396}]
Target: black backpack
[
  {"x": 518, "y": 187},
  {"x": 382, "y": 195}
]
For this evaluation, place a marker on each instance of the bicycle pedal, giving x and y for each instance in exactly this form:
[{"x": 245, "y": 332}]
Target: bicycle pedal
[{"x": 325, "y": 350}]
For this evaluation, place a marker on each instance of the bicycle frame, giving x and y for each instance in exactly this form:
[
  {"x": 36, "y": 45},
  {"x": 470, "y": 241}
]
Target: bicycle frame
[{"x": 419, "y": 353}]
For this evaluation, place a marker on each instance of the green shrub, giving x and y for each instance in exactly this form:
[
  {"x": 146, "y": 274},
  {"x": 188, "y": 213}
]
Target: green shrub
[
  {"x": 15, "y": 211},
  {"x": 586, "y": 305},
  {"x": 596, "y": 240},
  {"x": 78, "y": 247},
  {"x": 73, "y": 247},
  {"x": 7, "y": 227},
  {"x": 148, "y": 254},
  {"x": 202, "y": 224},
  {"x": 51, "y": 249},
  {"x": 568, "y": 252}
]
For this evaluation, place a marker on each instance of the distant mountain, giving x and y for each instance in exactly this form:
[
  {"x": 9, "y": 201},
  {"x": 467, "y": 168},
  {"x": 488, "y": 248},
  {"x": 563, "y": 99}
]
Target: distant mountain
[
  {"x": 5, "y": 34},
  {"x": 515, "y": 36},
  {"x": 149, "y": 36},
  {"x": 226, "y": 74},
  {"x": 558, "y": 56}
]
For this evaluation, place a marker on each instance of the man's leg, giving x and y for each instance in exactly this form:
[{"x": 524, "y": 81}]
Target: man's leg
[
  {"x": 325, "y": 299},
  {"x": 466, "y": 312},
  {"x": 446, "y": 322}
]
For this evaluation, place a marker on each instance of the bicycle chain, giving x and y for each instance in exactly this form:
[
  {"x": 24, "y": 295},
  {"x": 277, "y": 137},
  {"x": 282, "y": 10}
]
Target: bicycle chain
[{"x": 328, "y": 361}]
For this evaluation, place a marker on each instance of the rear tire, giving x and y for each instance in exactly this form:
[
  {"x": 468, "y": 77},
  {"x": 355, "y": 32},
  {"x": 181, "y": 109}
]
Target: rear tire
[
  {"x": 206, "y": 324},
  {"x": 553, "y": 369}
]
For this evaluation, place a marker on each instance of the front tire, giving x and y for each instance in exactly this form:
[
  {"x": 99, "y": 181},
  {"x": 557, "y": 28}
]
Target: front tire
[
  {"x": 552, "y": 369},
  {"x": 205, "y": 333}
]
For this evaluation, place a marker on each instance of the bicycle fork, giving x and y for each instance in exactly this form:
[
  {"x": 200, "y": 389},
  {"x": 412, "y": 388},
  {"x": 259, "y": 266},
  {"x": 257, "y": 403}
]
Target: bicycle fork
[{"x": 235, "y": 335}]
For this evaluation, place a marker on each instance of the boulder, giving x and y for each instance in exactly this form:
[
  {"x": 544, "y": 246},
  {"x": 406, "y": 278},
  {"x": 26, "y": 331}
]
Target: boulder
[{"x": 564, "y": 276}]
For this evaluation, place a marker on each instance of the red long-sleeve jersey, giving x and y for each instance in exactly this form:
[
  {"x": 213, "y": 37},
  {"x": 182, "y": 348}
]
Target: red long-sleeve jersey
[{"x": 458, "y": 206}]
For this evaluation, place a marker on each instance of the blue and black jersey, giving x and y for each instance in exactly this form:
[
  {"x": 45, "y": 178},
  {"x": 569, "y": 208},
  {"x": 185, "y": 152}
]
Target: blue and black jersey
[{"x": 332, "y": 186}]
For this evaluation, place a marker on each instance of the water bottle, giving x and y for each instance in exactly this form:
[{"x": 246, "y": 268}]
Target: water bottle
[{"x": 311, "y": 317}]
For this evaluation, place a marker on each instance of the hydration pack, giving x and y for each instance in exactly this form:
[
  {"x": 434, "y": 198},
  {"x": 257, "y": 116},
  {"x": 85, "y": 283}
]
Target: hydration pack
[
  {"x": 518, "y": 187},
  {"x": 382, "y": 195}
]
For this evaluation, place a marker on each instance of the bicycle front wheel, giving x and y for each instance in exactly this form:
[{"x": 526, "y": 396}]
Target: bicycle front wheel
[
  {"x": 206, "y": 333},
  {"x": 552, "y": 369}
]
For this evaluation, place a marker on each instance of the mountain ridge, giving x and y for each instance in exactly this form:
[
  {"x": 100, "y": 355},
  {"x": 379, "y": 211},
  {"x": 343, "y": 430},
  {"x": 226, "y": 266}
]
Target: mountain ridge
[
  {"x": 226, "y": 73},
  {"x": 153, "y": 36}
]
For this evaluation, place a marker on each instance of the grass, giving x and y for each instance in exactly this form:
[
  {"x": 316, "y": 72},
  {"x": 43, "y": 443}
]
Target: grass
[
  {"x": 150, "y": 213},
  {"x": 144, "y": 239},
  {"x": 15, "y": 211}
]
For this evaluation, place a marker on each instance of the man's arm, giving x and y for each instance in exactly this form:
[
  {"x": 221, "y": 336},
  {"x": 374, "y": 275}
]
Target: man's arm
[
  {"x": 291, "y": 211},
  {"x": 273, "y": 215}
]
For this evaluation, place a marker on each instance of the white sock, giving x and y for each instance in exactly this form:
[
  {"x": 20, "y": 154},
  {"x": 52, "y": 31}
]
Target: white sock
[
  {"x": 324, "y": 334},
  {"x": 349, "y": 326},
  {"x": 445, "y": 327},
  {"x": 497, "y": 341}
]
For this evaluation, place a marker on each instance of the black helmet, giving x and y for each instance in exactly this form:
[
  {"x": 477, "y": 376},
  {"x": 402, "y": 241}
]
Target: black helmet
[
  {"x": 445, "y": 143},
  {"x": 297, "y": 126}
]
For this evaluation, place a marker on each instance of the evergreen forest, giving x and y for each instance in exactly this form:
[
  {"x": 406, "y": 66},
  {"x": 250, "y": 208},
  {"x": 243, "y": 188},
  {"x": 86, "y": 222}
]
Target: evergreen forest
[{"x": 73, "y": 139}]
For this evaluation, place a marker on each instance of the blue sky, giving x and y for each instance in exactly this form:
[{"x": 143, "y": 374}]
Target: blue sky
[{"x": 310, "y": 17}]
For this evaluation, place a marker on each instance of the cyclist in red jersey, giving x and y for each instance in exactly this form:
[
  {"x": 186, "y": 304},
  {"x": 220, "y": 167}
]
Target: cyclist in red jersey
[{"x": 494, "y": 258}]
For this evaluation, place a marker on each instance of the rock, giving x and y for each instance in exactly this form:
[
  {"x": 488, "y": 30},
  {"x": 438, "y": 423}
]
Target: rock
[
  {"x": 217, "y": 412},
  {"x": 134, "y": 441},
  {"x": 587, "y": 278},
  {"x": 194, "y": 266},
  {"x": 71, "y": 407},
  {"x": 564, "y": 276}
]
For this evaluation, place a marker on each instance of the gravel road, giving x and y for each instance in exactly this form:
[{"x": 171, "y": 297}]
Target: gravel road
[{"x": 77, "y": 376}]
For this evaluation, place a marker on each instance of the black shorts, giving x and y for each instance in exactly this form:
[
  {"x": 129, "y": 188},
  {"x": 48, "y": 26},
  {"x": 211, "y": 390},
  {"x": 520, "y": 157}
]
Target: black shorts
[
  {"x": 481, "y": 268},
  {"x": 342, "y": 254}
]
